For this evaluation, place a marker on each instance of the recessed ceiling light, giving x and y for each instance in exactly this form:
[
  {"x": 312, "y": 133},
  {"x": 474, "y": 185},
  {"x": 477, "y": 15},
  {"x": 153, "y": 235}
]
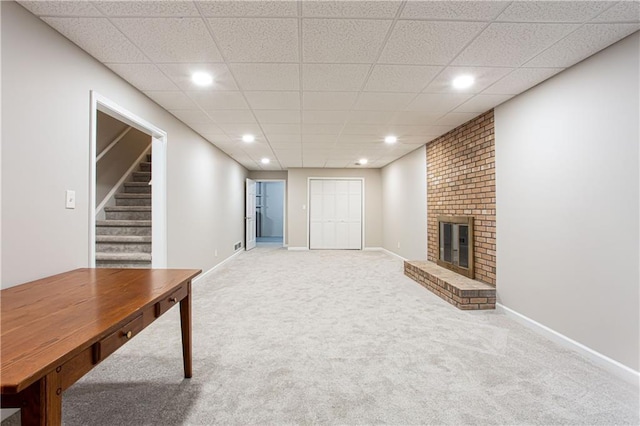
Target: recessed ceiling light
[
  {"x": 463, "y": 81},
  {"x": 202, "y": 78},
  {"x": 390, "y": 139},
  {"x": 362, "y": 162},
  {"x": 265, "y": 161},
  {"x": 248, "y": 138}
]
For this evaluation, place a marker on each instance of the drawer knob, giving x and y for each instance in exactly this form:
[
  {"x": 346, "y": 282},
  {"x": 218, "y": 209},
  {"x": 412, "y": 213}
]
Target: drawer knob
[
  {"x": 173, "y": 300},
  {"x": 128, "y": 334}
]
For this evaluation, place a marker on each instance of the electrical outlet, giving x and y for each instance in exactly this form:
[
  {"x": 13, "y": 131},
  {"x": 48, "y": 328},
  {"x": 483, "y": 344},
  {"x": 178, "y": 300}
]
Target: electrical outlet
[
  {"x": 70, "y": 199},
  {"x": 398, "y": 244},
  {"x": 215, "y": 253}
]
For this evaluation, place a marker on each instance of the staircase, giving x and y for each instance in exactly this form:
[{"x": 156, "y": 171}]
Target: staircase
[{"x": 123, "y": 239}]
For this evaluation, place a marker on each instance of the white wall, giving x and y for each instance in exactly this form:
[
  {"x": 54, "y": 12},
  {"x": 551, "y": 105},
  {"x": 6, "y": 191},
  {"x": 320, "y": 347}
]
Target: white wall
[
  {"x": 567, "y": 186},
  {"x": 404, "y": 205},
  {"x": 46, "y": 82},
  {"x": 297, "y": 198}
]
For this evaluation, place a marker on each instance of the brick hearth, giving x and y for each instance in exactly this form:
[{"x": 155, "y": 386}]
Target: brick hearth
[{"x": 460, "y": 291}]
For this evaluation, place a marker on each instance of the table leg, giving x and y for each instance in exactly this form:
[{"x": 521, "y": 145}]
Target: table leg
[
  {"x": 42, "y": 404},
  {"x": 185, "y": 323}
]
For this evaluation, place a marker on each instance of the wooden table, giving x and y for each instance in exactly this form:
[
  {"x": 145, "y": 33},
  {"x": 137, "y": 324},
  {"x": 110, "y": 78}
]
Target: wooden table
[{"x": 56, "y": 329}]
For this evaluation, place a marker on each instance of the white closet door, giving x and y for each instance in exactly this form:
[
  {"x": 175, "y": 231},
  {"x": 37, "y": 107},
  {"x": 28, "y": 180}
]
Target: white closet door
[{"x": 335, "y": 214}]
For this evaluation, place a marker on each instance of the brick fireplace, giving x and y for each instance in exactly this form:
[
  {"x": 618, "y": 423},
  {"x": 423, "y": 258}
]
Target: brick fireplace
[{"x": 461, "y": 183}]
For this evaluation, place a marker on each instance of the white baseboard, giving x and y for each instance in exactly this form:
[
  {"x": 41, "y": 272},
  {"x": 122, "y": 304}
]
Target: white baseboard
[
  {"x": 611, "y": 365},
  {"x": 298, "y": 248},
  {"x": 201, "y": 276},
  {"x": 389, "y": 252}
]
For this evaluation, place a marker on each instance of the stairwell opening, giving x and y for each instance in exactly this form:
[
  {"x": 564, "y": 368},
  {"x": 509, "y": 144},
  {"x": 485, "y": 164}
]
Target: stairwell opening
[{"x": 127, "y": 203}]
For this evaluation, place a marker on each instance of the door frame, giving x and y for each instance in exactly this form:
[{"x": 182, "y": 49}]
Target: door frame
[
  {"x": 284, "y": 206},
  {"x": 158, "y": 176},
  {"x": 309, "y": 179}
]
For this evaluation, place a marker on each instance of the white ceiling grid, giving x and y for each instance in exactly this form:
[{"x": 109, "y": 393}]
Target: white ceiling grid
[{"x": 321, "y": 83}]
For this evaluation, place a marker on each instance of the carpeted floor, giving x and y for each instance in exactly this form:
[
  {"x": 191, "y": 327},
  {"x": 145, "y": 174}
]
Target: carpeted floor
[{"x": 328, "y": 337}]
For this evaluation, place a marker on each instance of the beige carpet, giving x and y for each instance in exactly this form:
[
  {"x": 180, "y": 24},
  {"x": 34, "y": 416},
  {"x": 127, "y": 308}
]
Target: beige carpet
[{"x": 342, "y": 337}]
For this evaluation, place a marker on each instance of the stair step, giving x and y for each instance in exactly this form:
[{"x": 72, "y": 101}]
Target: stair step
[
  {"x": 133, "y": 199},
  {"x": 142, "y": 176},
  {"x": 149, "y": 157},
  {"x": 128, "y": 223},
  {"x": 120, "y": 265},
  {"x": 123, "y": 246},
  {"x": 139, "y": 239},
  {"x": 128, "y": 213},
  {"x": 145, "y": 166},
  {"x": 123, "y": 257},
  {"x": 137, "y": 187}
]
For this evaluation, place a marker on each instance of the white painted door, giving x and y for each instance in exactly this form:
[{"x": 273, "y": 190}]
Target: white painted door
[
  {"x": 335, "y": 214},
  {"x": 250, "y": 217}
]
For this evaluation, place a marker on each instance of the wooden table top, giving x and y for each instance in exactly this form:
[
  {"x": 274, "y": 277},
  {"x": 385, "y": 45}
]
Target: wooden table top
[{"x": 50, "y": 320}]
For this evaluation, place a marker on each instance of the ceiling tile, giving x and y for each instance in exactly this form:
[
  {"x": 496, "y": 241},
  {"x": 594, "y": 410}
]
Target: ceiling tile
[
  {"x": 456, "y": 118},
  {"x": 350, "y": 9},
  {"x": 205, "y": 128},
  {"x": 319, "y": 140},
  {"x": 60, "y": 8},
  {"x": 338, "y": 164},
  {"x": 283, "y": 139},
  {"x": 414, "y": 118},
  {"x": 231, "y": 116},
  {"x": 148, "y": 8},
  {"x": 324, "y": 117},
  {"x": 328, "y": 100},
  {"x": 257, "y": 40},
  {"x": 313, "y": 160},
  {"x": 181, "y": 75},
  {"x": 373, "y": 131},
  {"x": 510, "y": 45},
  {"x": 170, "y": 39},
  {"x": 193, "y": 116},
  {"x": 287, "y": 150},
  {"x": 400, "y": 78},
  {"x": 320, "y": 129},
  {"x": 292, "y": 163},
  {"x": 273, "y": 100},
  {"x": 369, "y": 117},
  {"x": 248, "y": 8},
  {"x": 324, "y": 40},
  {"x": 403, "y": 131},
  {"x": 482, "y": 103},
  {"x": 171, "y": 100},
  {"x": 437, "y": 103},
  {"x": 624, "y": 11},
  {"x": 336, "y": 77},
  {"x": 267, "y": 76},
  {"x": 273, "y": 116},
  {"x": 377, "y": 101},
  {"x": 281, "y": 129},
  {"x": 454, "y": 10},
  {"x": 99, "y": 38},
  {"x": 552, "y": 11},
  {"x": 218, "y": 139},
  {"x": 484, "y": 77},
  {"x": 213, "y": 99},
  {"x": 236, "y": 130},
  {"x": 520, "y": 80},
  {"x": 428, "y": 43},
  {"x": 143, "y": 76},
  {"x": 581, "y": 44}
]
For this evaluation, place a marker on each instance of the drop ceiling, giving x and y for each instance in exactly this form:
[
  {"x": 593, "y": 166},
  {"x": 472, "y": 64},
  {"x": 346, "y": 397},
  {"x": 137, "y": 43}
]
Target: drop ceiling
[{"x": 321, "y": 83}]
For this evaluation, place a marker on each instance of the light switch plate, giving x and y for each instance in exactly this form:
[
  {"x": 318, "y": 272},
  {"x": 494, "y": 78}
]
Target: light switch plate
[{"x": 70, "y": 199}]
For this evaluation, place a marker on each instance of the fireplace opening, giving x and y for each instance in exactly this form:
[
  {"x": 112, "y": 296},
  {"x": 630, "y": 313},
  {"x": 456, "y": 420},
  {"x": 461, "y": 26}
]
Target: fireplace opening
[{"x": 455, "y": 242}]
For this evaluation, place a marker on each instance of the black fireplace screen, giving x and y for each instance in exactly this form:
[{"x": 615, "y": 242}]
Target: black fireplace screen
[{"x": 455, "y": 243}]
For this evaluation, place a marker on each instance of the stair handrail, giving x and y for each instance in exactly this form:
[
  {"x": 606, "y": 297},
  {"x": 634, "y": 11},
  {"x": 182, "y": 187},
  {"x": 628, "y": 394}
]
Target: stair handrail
[{"x": 113, "y": 143}]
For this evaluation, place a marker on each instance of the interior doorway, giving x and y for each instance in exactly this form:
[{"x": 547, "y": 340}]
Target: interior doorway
[
  {"x": 158, "y": 176},
  {"x": 266, "y": 213},
  {"x": 270, "y": 212}
]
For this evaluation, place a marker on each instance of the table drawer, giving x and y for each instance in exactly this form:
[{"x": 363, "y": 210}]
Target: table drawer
[
  {"x": 113, "y": 341},
  {"x": 167, "y": 303}
]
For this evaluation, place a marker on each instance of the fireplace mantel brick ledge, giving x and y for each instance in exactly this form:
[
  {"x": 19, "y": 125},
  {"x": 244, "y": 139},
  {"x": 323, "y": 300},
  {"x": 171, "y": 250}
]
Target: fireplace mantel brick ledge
[{"x": 462, "y": 292}]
